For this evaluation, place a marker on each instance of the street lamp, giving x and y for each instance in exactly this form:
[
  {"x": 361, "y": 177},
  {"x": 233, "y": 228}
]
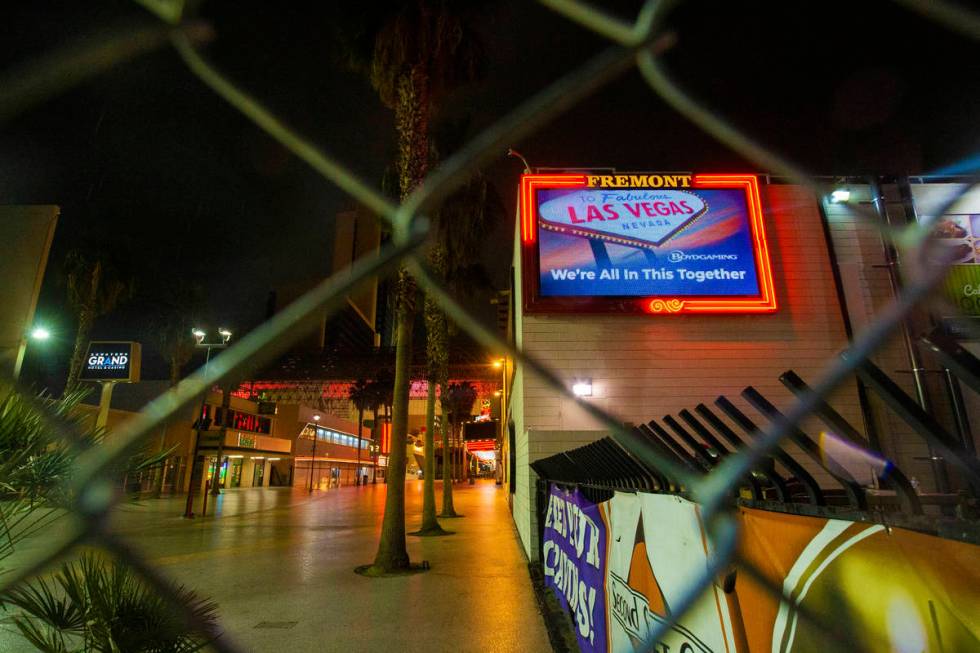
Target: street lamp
[
  {"x": 199, "y": 336},
  {"x": 40, "y": 333},
  {"x": 13, "y": 358},
  {"x": 316, "y": 419}
]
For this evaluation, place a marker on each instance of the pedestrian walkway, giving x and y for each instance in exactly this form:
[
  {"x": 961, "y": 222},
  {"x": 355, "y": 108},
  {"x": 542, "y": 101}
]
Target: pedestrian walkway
[{"x": 279, "y": 563}]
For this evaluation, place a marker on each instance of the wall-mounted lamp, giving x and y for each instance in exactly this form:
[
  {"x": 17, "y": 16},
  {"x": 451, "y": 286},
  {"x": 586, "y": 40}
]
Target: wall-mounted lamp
[
  {"x": 840, "y": 196},
  {"x": 582, "y": 388}
]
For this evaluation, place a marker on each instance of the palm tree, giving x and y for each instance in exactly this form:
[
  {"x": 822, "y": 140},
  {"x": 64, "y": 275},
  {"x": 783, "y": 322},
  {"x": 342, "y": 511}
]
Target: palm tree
[
  {"x": 457, "y": 405},
  {"x": 176, "y": 305},
  {"x": 172, "y": 332},
  {"x": 419, "y": 49},
  {"x": 362, "y": 395},
  {"x": 95, "y": 288},
  {"x": 463, "y": 222}
]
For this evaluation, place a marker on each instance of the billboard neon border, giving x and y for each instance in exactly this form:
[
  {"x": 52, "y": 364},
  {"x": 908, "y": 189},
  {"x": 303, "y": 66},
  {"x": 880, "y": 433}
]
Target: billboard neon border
[{"x": 764, "y": 302}]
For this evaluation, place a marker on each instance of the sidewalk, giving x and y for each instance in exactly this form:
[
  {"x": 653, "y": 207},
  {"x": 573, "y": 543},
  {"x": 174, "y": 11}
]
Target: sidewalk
[{"x": 280, "y": 565}]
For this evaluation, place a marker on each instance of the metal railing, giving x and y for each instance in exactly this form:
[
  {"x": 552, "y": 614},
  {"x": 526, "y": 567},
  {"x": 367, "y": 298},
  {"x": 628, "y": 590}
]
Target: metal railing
[
  {"x": 700, "y": 441},
  {"x": 705, "y": 478}
]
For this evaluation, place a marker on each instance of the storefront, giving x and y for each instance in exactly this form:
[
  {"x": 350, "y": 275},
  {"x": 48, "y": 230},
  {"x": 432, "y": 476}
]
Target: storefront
[
  {"x": 247, "y": 460},
  {"x": 647, "y": 294},
  {"x": 331, "y": 459}
]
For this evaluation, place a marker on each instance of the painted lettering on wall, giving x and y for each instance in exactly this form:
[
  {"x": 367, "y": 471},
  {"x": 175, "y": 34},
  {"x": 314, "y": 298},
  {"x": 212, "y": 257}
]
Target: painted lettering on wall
[{"x": 573, "y": 553}]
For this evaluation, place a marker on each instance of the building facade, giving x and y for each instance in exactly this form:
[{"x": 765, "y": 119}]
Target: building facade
[{"x": 830, "y": 273}]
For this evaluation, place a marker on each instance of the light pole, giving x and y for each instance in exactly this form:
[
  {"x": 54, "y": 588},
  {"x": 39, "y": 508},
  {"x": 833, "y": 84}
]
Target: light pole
[
  {"x": 316, "y": 419},
  {"x": 501, "y": 364},
  {"x": 200, "y": 335}
]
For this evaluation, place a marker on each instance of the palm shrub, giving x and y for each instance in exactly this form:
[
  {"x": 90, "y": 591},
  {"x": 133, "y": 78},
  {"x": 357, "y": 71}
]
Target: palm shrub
[
  {"x": 99, "y": 604},
  {"x": 93, "y": 604},
  {"x": 36, "y": 466}
]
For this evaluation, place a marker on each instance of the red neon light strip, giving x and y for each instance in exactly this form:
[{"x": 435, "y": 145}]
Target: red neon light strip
[{"x": 529, "y": 203}]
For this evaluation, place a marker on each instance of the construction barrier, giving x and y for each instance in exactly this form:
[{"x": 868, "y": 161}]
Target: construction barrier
[{"x": 620, "y": 567}]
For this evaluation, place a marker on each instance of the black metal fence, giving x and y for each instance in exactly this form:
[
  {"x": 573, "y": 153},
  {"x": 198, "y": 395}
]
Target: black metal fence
[{"x": 699, "y": 441}]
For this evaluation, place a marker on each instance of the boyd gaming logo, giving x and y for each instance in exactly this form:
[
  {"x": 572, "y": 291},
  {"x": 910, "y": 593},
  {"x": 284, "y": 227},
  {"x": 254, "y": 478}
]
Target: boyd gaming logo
[{"x": 679, "y": 256}]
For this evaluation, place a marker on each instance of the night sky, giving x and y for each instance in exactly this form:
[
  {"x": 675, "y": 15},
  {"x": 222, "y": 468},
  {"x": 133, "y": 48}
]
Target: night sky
[{"x": 146, "y": 161}]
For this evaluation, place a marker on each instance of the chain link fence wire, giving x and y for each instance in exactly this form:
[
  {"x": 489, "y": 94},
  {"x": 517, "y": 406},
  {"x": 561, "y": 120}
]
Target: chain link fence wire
[{"x": 639, "y": 44}]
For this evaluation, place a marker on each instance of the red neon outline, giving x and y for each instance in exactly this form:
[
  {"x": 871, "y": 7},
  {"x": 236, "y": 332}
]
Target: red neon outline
[
  {"x": 529, "y": 184},
  {"x": 765, "y": 302}
]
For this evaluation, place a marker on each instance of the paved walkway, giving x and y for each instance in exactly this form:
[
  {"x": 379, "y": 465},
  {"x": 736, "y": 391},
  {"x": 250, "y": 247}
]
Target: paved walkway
[{"x": 278, "y": 555}]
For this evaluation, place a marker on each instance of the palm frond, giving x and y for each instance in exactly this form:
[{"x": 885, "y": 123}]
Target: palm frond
[{"x": 101, "y": 601}]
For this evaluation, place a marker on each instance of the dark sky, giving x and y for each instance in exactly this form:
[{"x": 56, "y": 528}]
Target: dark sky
[{"x": 145, "y": 160}]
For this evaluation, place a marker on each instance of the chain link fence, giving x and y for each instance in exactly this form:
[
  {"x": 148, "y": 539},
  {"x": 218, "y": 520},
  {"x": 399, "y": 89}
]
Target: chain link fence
[{"x": 638, "y": 44}]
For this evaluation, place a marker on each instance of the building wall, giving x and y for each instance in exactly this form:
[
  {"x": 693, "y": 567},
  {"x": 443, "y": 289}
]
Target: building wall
[
  {"x": 644, "y": 367},
  {"x": 26, "y": 233},
  {"x": 178, "y": 434}
]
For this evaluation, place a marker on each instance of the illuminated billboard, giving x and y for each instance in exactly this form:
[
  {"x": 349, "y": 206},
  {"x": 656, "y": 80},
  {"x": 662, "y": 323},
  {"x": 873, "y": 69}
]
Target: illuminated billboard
[
  {"x": 112, "y": 361},
  {"x": 644, "y": 243}
]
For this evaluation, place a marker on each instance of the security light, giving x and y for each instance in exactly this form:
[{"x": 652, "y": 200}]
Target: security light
[
  {"x": 840, "y": 196},
  {"x": 225, "y": 335},
  {"x": 582, "y": 388},
  {"x": 197, "y": 333}
]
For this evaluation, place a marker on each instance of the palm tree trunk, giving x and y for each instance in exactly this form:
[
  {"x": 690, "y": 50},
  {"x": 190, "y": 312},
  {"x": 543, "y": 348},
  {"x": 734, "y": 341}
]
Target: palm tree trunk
[
  {"x": 447, "y": 484},
  {"x": 392, "y": 553},
  {"x": 457, "y": 457},
  {"x": 86, "y": 318},
  {"x": 375, "y": 430},
  {"x": 360, "y": 427},
  {"x": 429, "y": 522},
  {"x": 412, "y": 126}
]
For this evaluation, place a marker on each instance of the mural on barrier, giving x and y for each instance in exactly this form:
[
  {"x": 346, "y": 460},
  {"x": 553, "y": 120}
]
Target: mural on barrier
[
  {"x": 620, "y": 567},
  {"x": 574, "y": 553},
  {"x": 658, "y": 549}
]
